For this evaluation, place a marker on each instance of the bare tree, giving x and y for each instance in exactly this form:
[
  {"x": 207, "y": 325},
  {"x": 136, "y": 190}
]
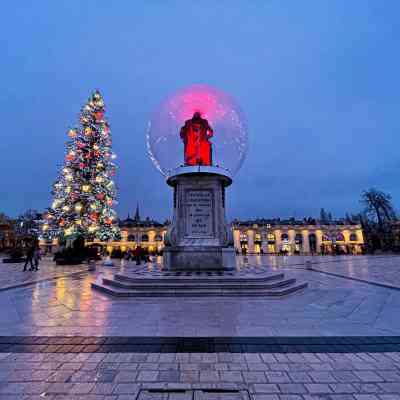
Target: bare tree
[{"x": 378, "y": 206}]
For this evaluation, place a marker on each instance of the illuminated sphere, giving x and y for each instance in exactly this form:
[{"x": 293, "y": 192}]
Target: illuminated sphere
[{"x": 230, "y": 139}]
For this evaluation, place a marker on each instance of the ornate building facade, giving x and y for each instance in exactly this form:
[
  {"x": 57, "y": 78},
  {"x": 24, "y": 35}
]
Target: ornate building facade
[
  {"x": 275, "y": 236},
  {"x": 297, "y": 237}
]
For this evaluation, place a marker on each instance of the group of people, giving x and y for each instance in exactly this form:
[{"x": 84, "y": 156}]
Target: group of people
[
  {"x": 137, "y": 254},
  {"x": 33, "y": 257}
]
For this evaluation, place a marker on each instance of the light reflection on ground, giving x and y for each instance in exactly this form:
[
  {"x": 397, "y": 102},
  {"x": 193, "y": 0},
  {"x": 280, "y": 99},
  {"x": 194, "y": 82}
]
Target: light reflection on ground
[{"x": 330, "y": 306}]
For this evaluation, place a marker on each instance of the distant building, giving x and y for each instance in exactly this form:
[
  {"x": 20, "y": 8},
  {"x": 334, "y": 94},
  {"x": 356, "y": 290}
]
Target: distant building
[
  {"x": 261, "y": 236},
  {"x": 292, "y": 236},
  {"x": 7, "y": 234}
]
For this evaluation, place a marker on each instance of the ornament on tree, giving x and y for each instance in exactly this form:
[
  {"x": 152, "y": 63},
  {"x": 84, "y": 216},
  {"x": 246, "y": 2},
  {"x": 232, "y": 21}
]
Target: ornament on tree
[{"x": 72, "y": 133}]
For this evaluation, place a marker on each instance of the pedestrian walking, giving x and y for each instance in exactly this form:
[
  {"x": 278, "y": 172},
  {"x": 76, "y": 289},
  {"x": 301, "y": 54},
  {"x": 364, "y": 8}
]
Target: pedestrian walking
[
  {"x": 138, "y": 255},
  {"x": 37, "y": 256},
  {"x": 29, "y": 258}
]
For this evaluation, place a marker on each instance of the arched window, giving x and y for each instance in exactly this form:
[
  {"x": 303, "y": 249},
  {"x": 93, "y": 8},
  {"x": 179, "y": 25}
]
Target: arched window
[
  {"x": 158, "y": 238},
  {"x": 257, "y": 237},
  {"x": 131, "y": 238},
  {"x": 243, "y": 237},
  {"x": 298, "y": 238},
  {"x": 353, "y": 237},
  {"x": 284, "y": 236},
  {"x": 340, "y": 237},
  {"x": 271, "y": 237},
  {"x": 312, "y": 240},
  {"x": 145, "y": 238}
]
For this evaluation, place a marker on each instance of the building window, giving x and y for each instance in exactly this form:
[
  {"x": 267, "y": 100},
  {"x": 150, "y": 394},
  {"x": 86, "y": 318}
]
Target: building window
[
  {"x": 271, "y": 238},
  {"x": 298, "y": 238},
  {"x": 243, "y": 237},
  {"x": 257, "y": 237},
  {"x": 145, "y": 238},
  {"x": 131, "y": 238},
  {"x": 353, "y": 237},
  {"x": 158, "y": 238},
  {"x": 340, "y": 237},
  {"x": 312, "y": 240},
  {"x": 284, "y": 236}
]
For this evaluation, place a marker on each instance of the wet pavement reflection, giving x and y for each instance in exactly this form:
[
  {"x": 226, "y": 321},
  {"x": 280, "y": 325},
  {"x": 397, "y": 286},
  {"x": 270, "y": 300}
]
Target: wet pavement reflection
[{"x": 330, "y": 306}]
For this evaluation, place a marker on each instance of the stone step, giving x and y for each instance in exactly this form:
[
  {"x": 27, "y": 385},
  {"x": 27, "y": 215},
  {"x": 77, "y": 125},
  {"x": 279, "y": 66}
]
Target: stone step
[
  {"x": 193, "y": 283},
  {"x": 199, "y": 279},
  {"x": 184, "y": 292}
]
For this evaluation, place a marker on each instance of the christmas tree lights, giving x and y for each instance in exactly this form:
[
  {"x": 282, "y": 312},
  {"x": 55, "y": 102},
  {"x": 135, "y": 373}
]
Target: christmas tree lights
[{"x": 84, "y": 193}]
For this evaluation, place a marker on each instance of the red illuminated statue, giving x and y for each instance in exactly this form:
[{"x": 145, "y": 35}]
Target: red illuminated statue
[{"x": 195, "y": 135}]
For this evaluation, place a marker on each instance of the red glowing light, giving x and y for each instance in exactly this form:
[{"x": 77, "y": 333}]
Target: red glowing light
[{"x": 212, "y": 104}]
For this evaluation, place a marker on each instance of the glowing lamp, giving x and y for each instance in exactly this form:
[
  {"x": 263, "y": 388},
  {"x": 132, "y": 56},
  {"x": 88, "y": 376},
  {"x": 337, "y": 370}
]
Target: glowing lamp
[{"x": 85, "y": 188}]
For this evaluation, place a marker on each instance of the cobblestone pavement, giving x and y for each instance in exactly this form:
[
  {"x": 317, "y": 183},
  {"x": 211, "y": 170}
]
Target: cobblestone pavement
[
  {"x": 331, "y": 305},
  {"x": 272, "y": 376},
  {"x": 12, "y": 275}
]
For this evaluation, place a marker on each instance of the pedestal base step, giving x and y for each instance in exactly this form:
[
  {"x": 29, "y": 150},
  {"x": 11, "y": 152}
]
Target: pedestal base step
[{"x": 273, "y": 285}]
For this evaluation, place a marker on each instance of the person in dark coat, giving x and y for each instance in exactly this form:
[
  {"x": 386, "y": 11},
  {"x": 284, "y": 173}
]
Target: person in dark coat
[
  {"x": 29, "y": 258},
  {"x": 138, "y": 255}
]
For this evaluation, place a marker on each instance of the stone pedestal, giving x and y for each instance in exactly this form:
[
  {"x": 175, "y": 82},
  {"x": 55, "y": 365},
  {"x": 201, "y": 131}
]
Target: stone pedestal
[{"x": 199, "y": 237}]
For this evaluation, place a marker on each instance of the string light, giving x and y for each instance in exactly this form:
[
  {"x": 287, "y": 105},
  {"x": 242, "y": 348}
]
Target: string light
[{"x": 84, "y": 192}]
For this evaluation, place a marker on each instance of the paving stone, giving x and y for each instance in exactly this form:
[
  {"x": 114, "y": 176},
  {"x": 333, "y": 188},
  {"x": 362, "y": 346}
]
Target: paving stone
[
  {"x": 266, "y": 397},
  {"x": 209, "y": 376},
  {"x": 210, "y": 358},
  {"x": 345, "y": 376},
  {"x": 221, "y": 366},
  {"x": 231, "y": 376},
  {"x": 299, "y": 377},
  {"x": 60, "y": 376},
  {"x": 258, "y": 366},
  {"x": 368, "y": 376},
  {"x": 254, "y": 377},
  {"x": 292, "y": 388},
  {"x": 147, "y": 376},
  {"x": 59, "y": 388},
  {"x": 265, "y": 388},
  {"x": 269, "y": 358},
  {"x": 277, "y": 377},
  {"x": 169, "y": 376},
  {"x": 367, "y": 388},
  {"x": 389, "y": 396},
  {"x": 390, "y": 387},
  {"x": 389, "y": 376},
  {"x": 318, "y": 388},
  {"x": 167, "y": 358},
  {"x": 82, "y": 388},
  {"x": 299, "y": 367},
  {"x": 240, "y": 366},
  {"x": 190, "y": 376},
  {"x": 125, "y": 376},
  {"x": 343, "y": 388},
  {"x": 321, "y": 367},
  {"x": 103, "y": 388},
  {"x": 322, "y": 376},
  {"x": 278, "y": 367},
  {"x": 126, "y": 388}
]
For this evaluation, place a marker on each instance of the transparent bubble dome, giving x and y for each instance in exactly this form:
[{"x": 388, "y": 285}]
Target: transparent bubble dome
[{"x": 230, "y": 137}]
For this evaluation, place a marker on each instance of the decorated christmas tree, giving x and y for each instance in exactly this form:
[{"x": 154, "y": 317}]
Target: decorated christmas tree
[{"x": 84, "y": 193}]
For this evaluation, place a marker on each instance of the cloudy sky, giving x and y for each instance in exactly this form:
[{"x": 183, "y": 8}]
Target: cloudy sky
[{"x": 317, "y": 80}]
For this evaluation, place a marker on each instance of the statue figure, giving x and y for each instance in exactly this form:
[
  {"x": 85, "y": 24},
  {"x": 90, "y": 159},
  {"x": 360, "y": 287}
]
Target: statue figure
[{"x": 195, "y": 135}]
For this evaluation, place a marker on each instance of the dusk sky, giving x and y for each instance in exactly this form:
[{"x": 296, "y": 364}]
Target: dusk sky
[{"x": 317, "y": 80}]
